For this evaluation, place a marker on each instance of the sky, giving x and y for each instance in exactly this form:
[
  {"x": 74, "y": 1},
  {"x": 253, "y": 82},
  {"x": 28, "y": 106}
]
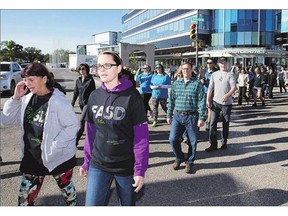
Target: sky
[
  {"x": 48, "y": 30},
  {"x": 53, "y": 24}
]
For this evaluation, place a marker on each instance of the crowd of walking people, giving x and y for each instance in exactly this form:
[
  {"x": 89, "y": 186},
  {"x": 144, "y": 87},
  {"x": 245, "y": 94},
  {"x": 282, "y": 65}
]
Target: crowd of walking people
[{"x": 115, "y": 118}]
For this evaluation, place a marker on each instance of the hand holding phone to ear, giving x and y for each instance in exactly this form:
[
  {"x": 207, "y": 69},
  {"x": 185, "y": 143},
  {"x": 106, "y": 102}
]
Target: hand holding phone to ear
[{"x": 20, "y": 90}]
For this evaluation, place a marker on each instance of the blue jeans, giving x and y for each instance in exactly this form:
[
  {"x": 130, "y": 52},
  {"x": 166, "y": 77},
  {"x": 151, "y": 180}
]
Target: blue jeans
[
  {"x": 179, "y": 124},
  {"x": 98, "y": 188},
  {"x": 215, "y": 114}
]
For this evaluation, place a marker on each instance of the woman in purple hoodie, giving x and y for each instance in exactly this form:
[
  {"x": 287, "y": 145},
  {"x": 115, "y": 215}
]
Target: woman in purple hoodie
[{"x": 117, "y": 137}]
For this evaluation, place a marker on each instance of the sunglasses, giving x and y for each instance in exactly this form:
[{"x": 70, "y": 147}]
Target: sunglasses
[
  {"x": 82, "y": 68},
  {"x": 145, "y": 68},
  {"x": 209, "y": 62},
  {"x": 158, "y": 67}
]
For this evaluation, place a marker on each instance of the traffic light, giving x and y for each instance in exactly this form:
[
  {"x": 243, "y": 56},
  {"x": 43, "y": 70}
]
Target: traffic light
[{"x": 193, "y": 31}]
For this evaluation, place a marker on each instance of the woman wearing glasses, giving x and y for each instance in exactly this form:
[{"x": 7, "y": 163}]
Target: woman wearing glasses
[
  {"x": 145, "y": 81},
  {"x": 117, "y": 137},
  {"x": 84, "y": 85}
]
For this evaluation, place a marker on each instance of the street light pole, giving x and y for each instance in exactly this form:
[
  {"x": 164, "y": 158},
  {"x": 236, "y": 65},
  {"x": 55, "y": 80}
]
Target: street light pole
[{"x": 196, "y": 60}]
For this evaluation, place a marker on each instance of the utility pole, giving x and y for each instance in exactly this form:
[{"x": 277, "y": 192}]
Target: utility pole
[
  {"x": 197, "y": 45},
  {"x": 194, "y": 35}
]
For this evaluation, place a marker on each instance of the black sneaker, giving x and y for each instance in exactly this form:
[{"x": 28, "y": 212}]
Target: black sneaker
[
  {"x": 211, "y": 148},
  {"x": 176, "y": 165},
  {"x": 188, "y": 168},
  {"x": 224, "y": 146},
  {"x": 254, "y": 105},
  {"x": 263, "y": 103}
]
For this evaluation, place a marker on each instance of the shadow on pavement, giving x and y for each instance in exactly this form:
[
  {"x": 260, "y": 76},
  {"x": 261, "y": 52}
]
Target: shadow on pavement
[{"x": 212, "y": 190}]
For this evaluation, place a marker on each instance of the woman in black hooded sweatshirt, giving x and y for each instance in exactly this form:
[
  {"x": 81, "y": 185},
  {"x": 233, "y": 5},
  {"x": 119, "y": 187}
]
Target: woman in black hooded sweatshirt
[{"x": 84, "y": 85}]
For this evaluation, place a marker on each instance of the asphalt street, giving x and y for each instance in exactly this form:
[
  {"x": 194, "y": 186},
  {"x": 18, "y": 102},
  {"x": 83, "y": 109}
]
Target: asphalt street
[{"x": 251, "y": 172}]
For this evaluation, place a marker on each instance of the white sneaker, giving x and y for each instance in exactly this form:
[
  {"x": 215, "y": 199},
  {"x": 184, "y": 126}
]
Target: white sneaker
[{"x": 150, "y": 114}]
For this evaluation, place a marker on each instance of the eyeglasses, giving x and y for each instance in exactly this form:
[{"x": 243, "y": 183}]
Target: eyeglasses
[
  {"x": 106, "y": 66},
  {"x": 145, "y": 68},
  {"x": 209, "y": 62},
  {"x": 82, "y": 68}
]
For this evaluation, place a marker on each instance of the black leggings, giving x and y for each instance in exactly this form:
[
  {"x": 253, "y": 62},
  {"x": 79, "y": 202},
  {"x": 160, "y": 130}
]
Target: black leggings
[{"x": 146, "y": 98}]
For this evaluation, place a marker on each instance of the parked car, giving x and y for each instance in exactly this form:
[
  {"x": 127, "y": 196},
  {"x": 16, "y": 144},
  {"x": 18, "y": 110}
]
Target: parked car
[
  {"x": 23, "y": 65},
  {"x": 10, "y": 75}
]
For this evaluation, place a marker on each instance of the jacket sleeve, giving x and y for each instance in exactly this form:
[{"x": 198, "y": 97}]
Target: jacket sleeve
[
  {"x": 141, "y": 149},
  {"x": 88, "y": 144},
  {"x": 201, "y": 102},
  {"x": 75, "y": 94},
  {"x": 69, "y": 122},
  {"x": 11, "y": 114}
]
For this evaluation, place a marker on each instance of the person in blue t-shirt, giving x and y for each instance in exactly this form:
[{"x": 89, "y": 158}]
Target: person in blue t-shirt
[
  {"x": 159, "y": 84},
  {"x": 144, "y": 79}
]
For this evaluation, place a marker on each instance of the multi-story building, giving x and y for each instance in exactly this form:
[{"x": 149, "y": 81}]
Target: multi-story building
[
  {"x": 244, "y": 36},
  {"x": 88, "y": 53},
  {"x": 100, "y": 41}
]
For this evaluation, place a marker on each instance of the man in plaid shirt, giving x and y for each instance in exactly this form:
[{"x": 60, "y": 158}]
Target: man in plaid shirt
[{"x": 186, "y": 111}]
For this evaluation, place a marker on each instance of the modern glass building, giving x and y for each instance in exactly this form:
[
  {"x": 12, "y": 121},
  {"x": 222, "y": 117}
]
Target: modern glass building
[
  {"x": 167, "y": 30},
  {"x": 244, "y": 36}
]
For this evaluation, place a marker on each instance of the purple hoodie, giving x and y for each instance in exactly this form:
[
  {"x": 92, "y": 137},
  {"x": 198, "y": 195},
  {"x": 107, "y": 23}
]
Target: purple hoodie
[{"x": 140, "y": 142}]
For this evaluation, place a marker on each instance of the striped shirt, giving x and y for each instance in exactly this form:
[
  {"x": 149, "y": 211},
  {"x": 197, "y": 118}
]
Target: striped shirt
[{"x": 187, "y": 97}]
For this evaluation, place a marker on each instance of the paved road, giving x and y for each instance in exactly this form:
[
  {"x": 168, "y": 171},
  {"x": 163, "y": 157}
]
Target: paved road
[{"x": 251, "y": 172}]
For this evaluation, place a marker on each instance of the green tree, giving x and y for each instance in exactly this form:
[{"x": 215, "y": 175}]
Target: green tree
[
  {"x": 11, "y": 51},
  {"x": 46, "y": 58},
  {"x": 32, "y": 54}
]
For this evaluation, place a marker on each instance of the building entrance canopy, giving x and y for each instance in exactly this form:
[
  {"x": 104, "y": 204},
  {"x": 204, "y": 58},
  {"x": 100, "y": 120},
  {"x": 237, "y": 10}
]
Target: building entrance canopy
[{"x": 239, "y": 53}]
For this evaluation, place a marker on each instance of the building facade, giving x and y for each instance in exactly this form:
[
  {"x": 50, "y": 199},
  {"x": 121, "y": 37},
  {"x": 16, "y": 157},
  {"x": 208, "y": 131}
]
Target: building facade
[{"x": 244, "y": 36}]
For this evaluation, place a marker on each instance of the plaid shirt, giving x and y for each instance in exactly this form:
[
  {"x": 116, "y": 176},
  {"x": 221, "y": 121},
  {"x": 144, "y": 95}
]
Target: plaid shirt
[{"x": 187, "y": 97}]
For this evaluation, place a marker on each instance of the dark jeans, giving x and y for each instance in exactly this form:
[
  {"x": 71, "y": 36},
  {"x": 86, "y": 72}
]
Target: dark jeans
[
  {"x": 179, "y": 124},
  {"x": 242, "y": 93},
  {"x": 270, "y": 88},
  {"x": 82, "y": 123},
  {"x": 215, "y": 114},
  {"x": 146, "y": 97},
  {"x": 282, "y": 85}
]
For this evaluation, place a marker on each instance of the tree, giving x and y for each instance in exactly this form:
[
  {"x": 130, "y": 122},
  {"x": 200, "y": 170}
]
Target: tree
[
  {"x": 11, "y": 51},
  {"x": 61, "y": 56},
  {"x": 32, "y": 54}
]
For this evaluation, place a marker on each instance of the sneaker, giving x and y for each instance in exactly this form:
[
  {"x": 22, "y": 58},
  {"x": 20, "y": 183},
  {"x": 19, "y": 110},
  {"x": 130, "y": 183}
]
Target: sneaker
[
  {"x": 176, "y": 165},
  {"x": 263, "y": 103},
  {"x": 224, "y": 146},
  {"x": 254, "y": 105},
  {"x": 185, "y": 140},
  {"x": 211, "y": 148},
  {"x": 154, "y": 124},
  {"x": 1, "y": 160},
  {"x": 150, "y": 114},
  {"x": 188, "y": 168}
]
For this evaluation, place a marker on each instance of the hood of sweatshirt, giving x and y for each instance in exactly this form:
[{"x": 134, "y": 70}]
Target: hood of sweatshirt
[{"x": 125, "y": 83}]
